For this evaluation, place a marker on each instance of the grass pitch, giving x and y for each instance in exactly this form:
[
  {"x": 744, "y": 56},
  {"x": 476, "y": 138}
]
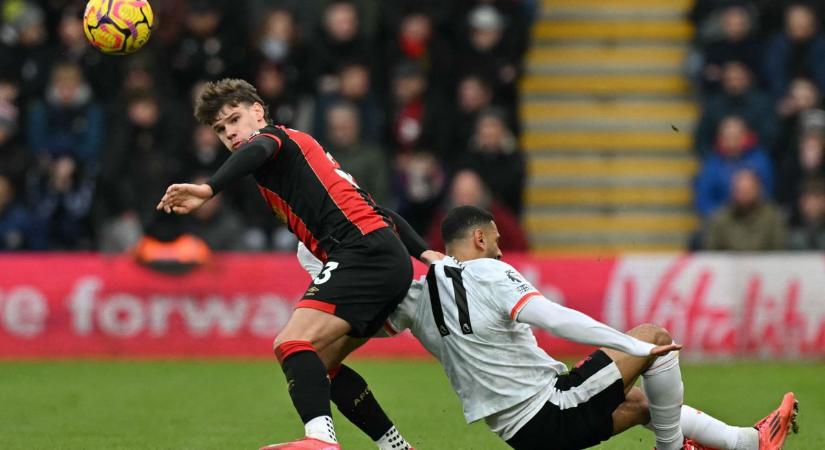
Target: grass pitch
[{"x": 243, "y": 404}]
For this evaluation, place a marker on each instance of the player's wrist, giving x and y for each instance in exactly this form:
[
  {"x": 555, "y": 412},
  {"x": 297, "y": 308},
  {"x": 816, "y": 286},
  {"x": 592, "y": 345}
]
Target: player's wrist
[{"x": 212, "y": 188}]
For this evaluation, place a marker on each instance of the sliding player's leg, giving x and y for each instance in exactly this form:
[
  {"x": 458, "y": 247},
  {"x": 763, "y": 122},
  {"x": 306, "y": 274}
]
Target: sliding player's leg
[
  {"x": 354, "y": 398},
  {"x": 661, "y": 381},
  {"x": 705, "y": 432},
  {"x": 709, "y": 433},
  {"x": 697, "y": 426}
]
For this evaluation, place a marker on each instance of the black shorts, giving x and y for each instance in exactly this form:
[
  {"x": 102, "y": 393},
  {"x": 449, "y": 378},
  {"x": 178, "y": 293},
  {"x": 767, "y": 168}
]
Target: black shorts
[
  {"x": 362, "y": 282},
  {"x": 583, "y": 425}
]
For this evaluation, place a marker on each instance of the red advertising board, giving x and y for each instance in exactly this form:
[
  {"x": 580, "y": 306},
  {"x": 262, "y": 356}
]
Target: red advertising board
[{"x": 77, "y": 305}]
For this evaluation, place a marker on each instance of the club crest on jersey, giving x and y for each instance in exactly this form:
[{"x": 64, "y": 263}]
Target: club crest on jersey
[{"x": 254, "y": 133}]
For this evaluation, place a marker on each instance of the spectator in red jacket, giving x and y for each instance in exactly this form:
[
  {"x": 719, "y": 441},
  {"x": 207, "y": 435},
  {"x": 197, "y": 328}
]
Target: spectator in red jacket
[{"x": 467, "y": 188}]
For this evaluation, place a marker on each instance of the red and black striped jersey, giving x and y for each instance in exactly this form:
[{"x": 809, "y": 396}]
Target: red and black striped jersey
[{"x": 307, "y": 189}]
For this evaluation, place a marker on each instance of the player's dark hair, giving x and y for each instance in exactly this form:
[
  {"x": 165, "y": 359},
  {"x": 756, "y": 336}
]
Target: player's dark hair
[
  {"x": 460, "y": 220},
  {"x": 226, "y": 92}
]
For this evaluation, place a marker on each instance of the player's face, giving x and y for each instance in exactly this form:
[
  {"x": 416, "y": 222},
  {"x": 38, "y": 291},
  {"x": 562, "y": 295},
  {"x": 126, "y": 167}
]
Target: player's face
[
  {"x": 235, "y": 124},
  {"x": 491, "y": 237}
]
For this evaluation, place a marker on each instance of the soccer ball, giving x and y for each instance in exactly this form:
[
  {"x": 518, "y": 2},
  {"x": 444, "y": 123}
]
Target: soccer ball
[{"x": 118, "y": 27}]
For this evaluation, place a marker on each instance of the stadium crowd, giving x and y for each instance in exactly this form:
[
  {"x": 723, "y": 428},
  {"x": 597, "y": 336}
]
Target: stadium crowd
[
  {"x": 759, "y": 67},
  {"x": 418, "y": 99}
]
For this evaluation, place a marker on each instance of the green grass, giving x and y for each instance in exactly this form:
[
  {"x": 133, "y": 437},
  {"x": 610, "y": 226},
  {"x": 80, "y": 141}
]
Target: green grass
[{"x": 242, "y": 405}]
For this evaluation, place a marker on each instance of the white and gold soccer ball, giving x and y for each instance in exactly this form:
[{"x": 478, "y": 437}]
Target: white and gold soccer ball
[{"x": 118, "y": 27}]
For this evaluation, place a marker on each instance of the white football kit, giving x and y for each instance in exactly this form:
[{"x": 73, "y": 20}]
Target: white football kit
[{"x": 469, "y": 316}]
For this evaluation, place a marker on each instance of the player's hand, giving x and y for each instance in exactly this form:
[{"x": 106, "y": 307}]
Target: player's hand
[
  {"x": 430, "y": 256},
  {"x": 661, "y": 350},
  {"x": 184, "y": 198}
]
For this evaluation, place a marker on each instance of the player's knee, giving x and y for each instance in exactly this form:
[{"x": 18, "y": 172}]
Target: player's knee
[{"x": 651, "y": 333}]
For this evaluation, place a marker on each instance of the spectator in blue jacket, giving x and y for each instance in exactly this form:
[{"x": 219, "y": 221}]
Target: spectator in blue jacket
[
  {"x": 68, "y": 122},
  {"x": 736, "y": 148},
  {"x": 796, "y": 51}
]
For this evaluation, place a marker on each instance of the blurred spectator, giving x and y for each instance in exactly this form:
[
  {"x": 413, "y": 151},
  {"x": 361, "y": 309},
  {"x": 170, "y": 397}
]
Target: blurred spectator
[
  {"x": 355, "y": 87},
  {"x": 494, "y": 154},
  {"x": 810, "y": 233},
  {"x": 61, "y": 198},
  {"x": 703, "y": 10},
  {"x": 467, "y": 188},
  {"x": 515, "y": 17},
  {"x": 68, "y": 121},
  {"x": 218, "y": 224},
  {"x": 772, "y": 13},
  {"x": 796, "y": 52},
  {"x": 808, "y": 162},
  {"x": 739, "y": 97},
  {"x": 286, "y": 107},
  {"x": 736, "y": 148},
  {"x": 144, "y": 72},
  {"x": 16, "y": 229},
  {"x": 416, "y": 41},
  {"x": 206, "y": 152},
  {"x": 209, "y": 46},
  {"x": 14, "y": 159},
  {"x": 474, "y": 94},
  {"x": 144, "y": 156},
  {"x": 414, "y": 117},
  {"x": 279, "y": 44},
  {"x": 439, "y": 12},
  {"x": 25, "y": 54},
  {"x": 170, "y": 14},
  {"x": 419, "y": 181},
  {"x": 362, "y": 160},
  {"x": 802, "y": 96},
  {"x": 485, "y": 51},
  {"x": 736, "y": 43},
  {"x": 340, "y": 40},
  {"x": 101, "y": 71},
  {"x": 749, "y": 223}
]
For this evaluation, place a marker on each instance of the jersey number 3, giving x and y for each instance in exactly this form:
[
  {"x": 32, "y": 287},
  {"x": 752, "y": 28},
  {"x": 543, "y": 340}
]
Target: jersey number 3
[
  {"x": 326, "y": 273},
  {"x": 454, "y": 274}
]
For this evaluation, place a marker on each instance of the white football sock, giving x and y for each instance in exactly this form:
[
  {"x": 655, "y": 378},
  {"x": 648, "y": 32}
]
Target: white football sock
[
  {"x": 662, "y": 384},
  {"x": 392, "y": 440},
  {"x": 712, "y": 432},
  {"x": 321, "y": 428}
]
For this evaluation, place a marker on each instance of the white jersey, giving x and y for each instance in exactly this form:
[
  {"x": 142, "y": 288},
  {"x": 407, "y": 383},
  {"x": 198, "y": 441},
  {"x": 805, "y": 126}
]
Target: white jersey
[{"x": 464, "y": 316}]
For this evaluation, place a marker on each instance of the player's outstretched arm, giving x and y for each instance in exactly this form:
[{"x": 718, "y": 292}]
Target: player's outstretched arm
[
  {"x": 578, "y": 327},
  {"x": 184, "y": 198},
  {"x": 243, "y": 161}
]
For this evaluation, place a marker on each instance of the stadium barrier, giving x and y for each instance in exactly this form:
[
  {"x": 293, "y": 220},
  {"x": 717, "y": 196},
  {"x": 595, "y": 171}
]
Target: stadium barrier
[{"x": 90, "y": 305}]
